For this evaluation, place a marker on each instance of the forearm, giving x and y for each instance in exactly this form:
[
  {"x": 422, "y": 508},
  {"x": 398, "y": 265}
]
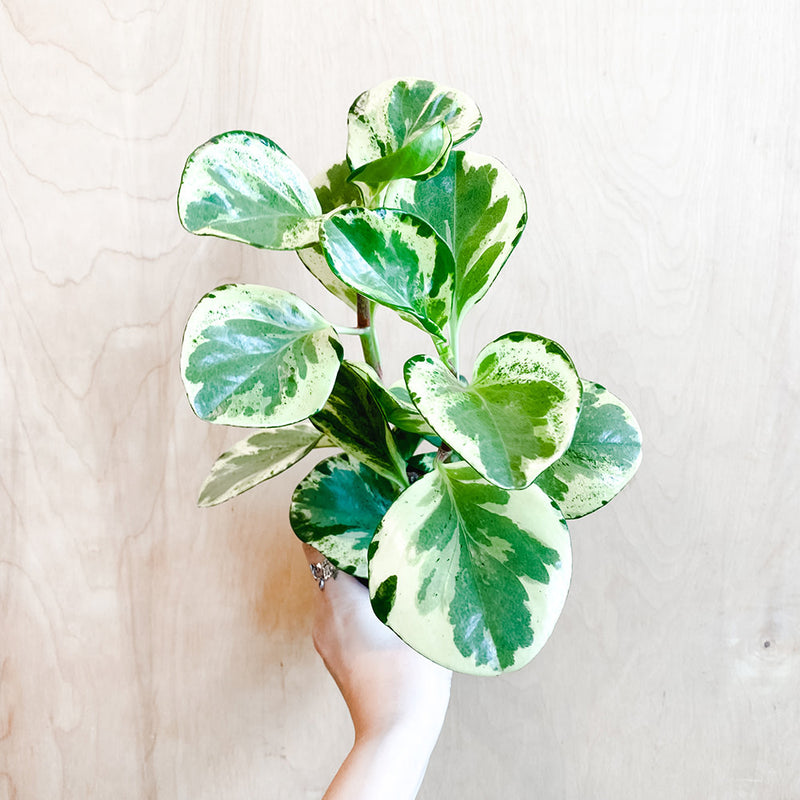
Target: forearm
[
  {"x": 397, "y": 698},
  {"x": 390, "y": 766}
]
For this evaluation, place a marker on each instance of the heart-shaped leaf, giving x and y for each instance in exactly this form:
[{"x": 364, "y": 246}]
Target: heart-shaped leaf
[
  {"x": 242, "y": 186},
  {"x": 516, "y": 417},
  {"x": 394, "y": 259},
  {"x": 385, "y": 118},
  {"x": 333, "y": 191},
  {"x": 352, "y": 418},
  {"x": 337, "y": 507},
  {"x": 419, "y": 156},
  {"x": 257, "y": 458},
  {"x": 604, "y": 454},
  {"x": 257, "y": 357},
  {"x": 478, "y": 209},
  {"x": 472, "y": 576}
]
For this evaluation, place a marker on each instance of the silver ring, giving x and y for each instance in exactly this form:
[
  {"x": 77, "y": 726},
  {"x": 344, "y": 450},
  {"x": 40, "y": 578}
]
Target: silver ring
[{"x": 323, "y": 571}]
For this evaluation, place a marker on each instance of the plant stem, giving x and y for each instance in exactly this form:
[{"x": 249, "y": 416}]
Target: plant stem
[
  {"x": 369, "y": 341},
  {"x": 448, "y": 355},
  {"x": 443, "y": 453},
  {"x": 454, "y": 326},
  {"x": 454, "y": 337}
]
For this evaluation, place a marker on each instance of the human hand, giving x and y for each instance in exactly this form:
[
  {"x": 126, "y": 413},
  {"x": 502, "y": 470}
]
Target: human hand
[{"x": 396, "y": 697}]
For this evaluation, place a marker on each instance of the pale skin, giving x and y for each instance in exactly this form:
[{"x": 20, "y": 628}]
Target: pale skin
[{"x": 396, "y": 697}]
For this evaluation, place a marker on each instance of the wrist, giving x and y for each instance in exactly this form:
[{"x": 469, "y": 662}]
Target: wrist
[
  {"x": 415, "y": 731},
  {"x": 421, "y": 720}
]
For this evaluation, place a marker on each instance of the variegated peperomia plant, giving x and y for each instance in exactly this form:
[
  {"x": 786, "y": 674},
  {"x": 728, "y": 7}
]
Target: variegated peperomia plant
[{"x": 450, "y": 493}]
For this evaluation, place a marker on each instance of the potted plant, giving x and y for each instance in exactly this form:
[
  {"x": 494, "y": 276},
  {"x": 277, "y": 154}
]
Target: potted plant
[{"x": 449, "y": 492}]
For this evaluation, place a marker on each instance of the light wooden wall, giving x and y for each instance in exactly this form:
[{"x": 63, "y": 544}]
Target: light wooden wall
[{"x": 149, "y": 649}]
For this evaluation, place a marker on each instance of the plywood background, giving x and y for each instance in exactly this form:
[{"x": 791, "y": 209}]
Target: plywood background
[{"x": 149, "y": 649}]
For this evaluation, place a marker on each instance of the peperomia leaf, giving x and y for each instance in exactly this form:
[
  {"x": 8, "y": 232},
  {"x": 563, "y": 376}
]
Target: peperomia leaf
[
  {"x": 394, "y": 402},
  {"x": 603, "y": 456},
  {"x": 515, "y": 418},
  {"x": 477, "y": 207},
  {"x": 407, "y": 442},
  {"x": 337, "y": 507},
  {"x": 242, "y": 186},
  {"x": 257, "y": 458},
  {"x": 385, "y": 118},
  {"x": 333, "y": 191},
  {"x": 394, "y": 259},
  {"x": 352, "y": 418},
  {"x": 472, "y": 576},
  {"x": 419, "y": 156},
  {"x": 257, "y": 357}
]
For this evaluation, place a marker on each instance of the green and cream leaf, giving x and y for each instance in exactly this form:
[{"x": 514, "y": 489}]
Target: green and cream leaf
[
  {"x": 515, "y": 418},
  {"x": 352, "y": 419},
  {"x": 257, "y": 357},
  {"x": 394, "y": 402},
  {"x": 419, "y": 156},
  {"x": 333, "y": 191},
  {"x": 472, "y": 576},
  {"x": 394, "y": 259},
  {"x": 337, "y": 507},
  {"x": 385, "y": 118},
  {"x": 257, "y": 458},
  {"x": 242, "y": 186},
  {"x": 478, "y": 209},
  {"x": 604, "y": 454}
]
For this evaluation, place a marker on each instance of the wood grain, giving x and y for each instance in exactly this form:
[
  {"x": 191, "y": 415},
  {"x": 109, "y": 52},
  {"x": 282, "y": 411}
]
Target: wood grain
[{"x": 149, "y": 649}]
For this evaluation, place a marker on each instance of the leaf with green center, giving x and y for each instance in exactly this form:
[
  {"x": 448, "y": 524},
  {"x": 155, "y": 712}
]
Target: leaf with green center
[
  {"x": 257, "y": 357},
  {"x": 385, "y": 118},
  {"x": 396, "y": 405},
  {"x": 516, "y": 417},
  {"x": 333, "y": 191},
  {"x": 352, "y": 418},
  {"x": 478, "y": 209},
  {"x": 604, "y": 454},
  {"x": 337, "y": 507},
  {"x": 407, "y": 442},
  {"x": 472, "y": 576},
  {"x": 394, "y": 259},
  {"x": 242, "y": 186},
  {"x": 257, "y": 458},
  {"x": 418, "y": 157}
]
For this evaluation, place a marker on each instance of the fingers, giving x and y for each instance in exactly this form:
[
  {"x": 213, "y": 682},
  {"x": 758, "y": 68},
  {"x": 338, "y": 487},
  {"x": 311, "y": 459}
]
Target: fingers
[
  {"x": 344, "y": 587},
  {"x": 312, "y": 554},
  {"x": 322, "y": 570}
]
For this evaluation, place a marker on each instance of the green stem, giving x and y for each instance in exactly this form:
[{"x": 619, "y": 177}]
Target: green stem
[
  {"x": 455, "y": 357},
  {"x": 454, "y": 327},
  {"x": 369, "y": 341},
  {"x": 447, "y": 354}
]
